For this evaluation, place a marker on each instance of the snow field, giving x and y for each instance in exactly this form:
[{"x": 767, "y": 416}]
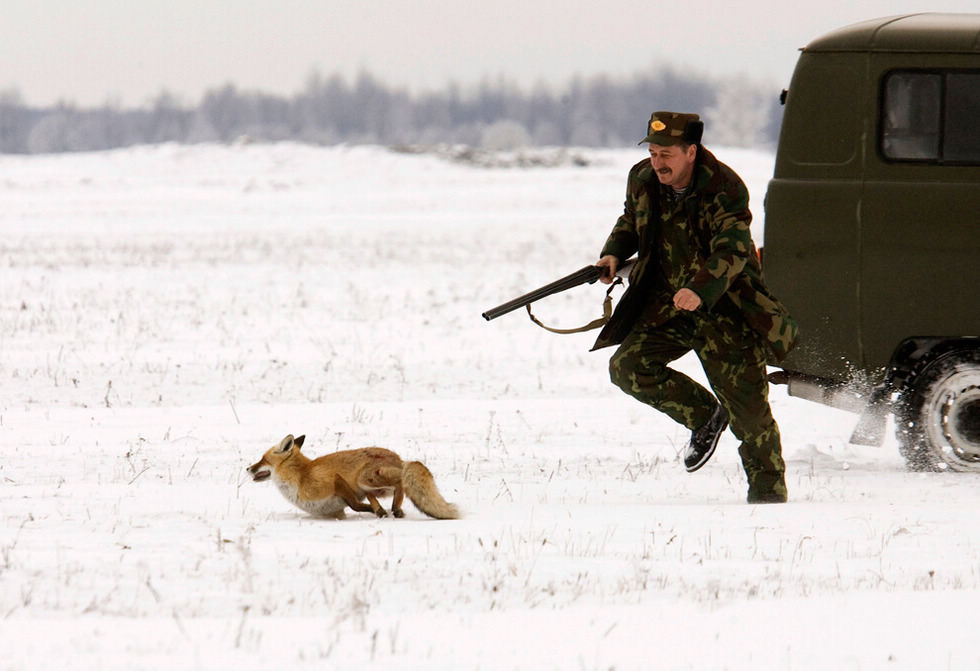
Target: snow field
[{"x": 168, "y": 313}]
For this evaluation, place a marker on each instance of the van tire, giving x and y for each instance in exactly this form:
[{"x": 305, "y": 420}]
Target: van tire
[{"x": 937, "y": 418}]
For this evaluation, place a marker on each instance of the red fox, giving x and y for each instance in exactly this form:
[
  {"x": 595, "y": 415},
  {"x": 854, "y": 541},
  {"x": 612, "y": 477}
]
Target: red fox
[{"x": 324, "y": 486}]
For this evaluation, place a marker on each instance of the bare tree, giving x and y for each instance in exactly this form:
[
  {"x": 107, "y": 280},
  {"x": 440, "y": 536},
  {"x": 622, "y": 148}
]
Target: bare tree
[{"x": 596, "y": 111}]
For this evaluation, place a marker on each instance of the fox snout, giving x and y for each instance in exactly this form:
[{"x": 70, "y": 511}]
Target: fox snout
[{"x": 260, "y": 471}]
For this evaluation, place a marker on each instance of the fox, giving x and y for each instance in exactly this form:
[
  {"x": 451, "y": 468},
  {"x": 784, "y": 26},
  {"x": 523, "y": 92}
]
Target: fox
[{"x": 325, "y": 486}]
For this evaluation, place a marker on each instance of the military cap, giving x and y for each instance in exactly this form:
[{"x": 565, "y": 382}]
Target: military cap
[{"x": 668, "y": 128}]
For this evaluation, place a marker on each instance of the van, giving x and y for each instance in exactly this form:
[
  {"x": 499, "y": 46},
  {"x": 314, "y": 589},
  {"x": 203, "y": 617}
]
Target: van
[{"x": 872, "y": 231}]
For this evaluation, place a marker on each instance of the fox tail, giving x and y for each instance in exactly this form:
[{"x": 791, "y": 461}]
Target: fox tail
[{"x": 421, "y": 488}]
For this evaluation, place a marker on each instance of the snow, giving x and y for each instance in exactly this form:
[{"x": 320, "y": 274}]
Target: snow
[{"x": 168, "y": 313}]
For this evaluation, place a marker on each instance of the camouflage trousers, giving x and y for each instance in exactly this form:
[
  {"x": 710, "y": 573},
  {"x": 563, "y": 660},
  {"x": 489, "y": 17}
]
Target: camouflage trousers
[{"x": 734, "y": 360}]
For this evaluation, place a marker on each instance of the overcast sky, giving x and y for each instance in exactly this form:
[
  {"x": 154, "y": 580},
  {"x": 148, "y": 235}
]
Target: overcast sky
[{"x": 127, "y": 51}]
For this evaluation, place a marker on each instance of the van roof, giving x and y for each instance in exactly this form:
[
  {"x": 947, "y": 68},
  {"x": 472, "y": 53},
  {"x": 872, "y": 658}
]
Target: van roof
[{"x": 928, "y": 32}]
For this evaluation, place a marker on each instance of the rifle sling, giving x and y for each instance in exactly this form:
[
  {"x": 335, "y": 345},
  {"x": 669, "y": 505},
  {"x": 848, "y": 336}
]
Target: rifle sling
[{"x": 594, "y": 324}]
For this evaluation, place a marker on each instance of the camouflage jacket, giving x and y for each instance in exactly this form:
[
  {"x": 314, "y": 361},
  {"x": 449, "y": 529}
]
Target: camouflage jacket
[{"x": 701, "y": 241}]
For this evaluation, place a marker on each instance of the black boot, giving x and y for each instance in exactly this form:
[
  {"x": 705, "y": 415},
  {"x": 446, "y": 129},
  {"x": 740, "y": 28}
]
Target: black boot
[{"x": 704, "y": 440}]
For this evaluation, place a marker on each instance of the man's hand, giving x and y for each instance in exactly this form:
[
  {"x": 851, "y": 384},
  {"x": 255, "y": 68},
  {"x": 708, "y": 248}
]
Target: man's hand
[
  {"x": 685, "y": 299},
  {"x": 612, "y": 263}
]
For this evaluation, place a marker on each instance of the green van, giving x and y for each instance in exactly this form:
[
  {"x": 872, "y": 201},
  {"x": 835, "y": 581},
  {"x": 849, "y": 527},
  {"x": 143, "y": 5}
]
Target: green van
[{"x": 872, "y": 231}]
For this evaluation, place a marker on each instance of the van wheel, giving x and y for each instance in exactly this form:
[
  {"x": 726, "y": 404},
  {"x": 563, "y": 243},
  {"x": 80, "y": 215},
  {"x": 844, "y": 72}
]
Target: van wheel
[{"x": 938, "y": 415}]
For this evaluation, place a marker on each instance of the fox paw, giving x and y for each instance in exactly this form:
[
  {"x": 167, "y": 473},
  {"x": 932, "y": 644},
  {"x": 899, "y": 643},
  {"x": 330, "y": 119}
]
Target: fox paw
[
  {"x": 381, "y": 512},
  {"x": 398, "y": 513}
]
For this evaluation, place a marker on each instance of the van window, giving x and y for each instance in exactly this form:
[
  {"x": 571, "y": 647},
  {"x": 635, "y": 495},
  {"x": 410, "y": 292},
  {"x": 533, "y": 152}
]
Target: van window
[{"x": 931, "y": 116}]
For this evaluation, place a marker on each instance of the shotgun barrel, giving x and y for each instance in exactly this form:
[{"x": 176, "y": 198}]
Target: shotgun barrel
[{"x": 587, "y": 275}]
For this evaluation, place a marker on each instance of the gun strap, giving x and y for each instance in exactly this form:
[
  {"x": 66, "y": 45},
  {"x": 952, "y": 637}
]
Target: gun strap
[{"x": 594, "y": 324}]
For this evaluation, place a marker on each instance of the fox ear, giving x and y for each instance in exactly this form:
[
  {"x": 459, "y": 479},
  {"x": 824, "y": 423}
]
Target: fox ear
[
  {"x": 285, "y": 444},
  {"x": 299, "y": 441}
]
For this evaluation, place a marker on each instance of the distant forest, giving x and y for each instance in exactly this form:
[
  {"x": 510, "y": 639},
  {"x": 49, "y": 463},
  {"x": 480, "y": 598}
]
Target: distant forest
[{"x": 494, "y": 114}]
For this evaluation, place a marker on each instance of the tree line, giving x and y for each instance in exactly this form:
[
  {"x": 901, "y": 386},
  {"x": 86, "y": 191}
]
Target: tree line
[{"x": 495, "y": 114}]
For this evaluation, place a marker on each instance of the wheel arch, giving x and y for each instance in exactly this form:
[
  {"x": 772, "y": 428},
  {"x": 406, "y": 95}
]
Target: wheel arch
[{"x": 914, "y": 355}]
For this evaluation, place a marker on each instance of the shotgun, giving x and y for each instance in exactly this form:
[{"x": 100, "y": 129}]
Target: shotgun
[{"x": 586, "y": 275}]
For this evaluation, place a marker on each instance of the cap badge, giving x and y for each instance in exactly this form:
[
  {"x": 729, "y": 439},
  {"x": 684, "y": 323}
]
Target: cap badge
[{"x": 657, "y": 125}]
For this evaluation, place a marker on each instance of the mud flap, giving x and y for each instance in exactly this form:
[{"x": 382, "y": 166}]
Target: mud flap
[{"x": 870, "y": 429}]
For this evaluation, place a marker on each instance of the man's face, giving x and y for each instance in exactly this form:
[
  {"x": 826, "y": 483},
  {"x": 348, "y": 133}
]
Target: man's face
[{"x": 673, "y": 164}]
